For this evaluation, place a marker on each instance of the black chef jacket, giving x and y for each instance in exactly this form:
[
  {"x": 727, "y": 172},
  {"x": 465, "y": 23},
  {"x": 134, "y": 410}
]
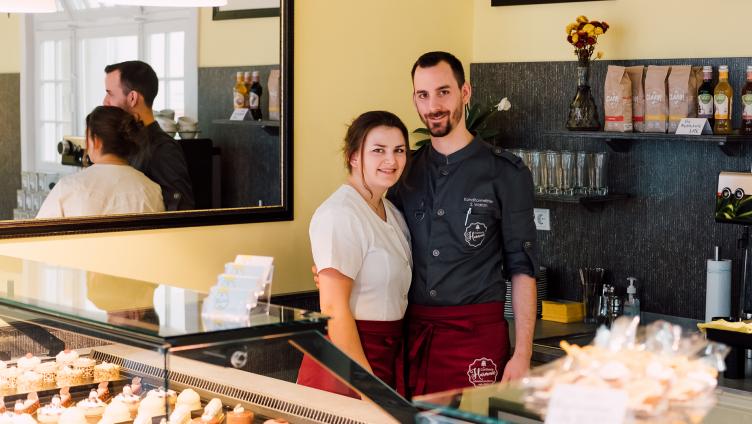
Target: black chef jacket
[
  {"x": 162, "y": 160},
  {"x": 469, "y": 213}
]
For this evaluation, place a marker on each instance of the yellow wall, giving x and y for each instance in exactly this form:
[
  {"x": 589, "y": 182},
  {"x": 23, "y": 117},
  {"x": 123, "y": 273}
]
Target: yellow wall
[
  {"x": 10, "y": 33},
  {"x": 639, "y": 29},
  {"x": 350, "y": 56},
  {"x": 237, "y": 42}
]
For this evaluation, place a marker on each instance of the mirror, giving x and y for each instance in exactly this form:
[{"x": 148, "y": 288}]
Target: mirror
[{"x": 240, "y": 171}]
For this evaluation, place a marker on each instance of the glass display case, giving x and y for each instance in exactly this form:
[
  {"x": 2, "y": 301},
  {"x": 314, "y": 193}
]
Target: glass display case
[{"x": 73, "y": 336}]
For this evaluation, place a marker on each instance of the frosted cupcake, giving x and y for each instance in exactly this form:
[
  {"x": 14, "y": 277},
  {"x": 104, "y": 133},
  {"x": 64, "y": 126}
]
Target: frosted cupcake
[
  {"x": 106, "y": 371},
  {"x": 66, "y": 357},
  {"x": 131, "y": 400},
  {"x": 116, "y": 412},
  {"x": 48, "y": 371},
  {"x": 151, "y": 406},
  {"x": 9, "y": 377},
  {"x": 29, "y": 380},
  {"x": 28, "y": 362},
  {"x": 68, "y": 376},
  {"x": 86, "y": 365},
  {"x": 92, "y": 407},
  {"x": 28, "y": 406},
  {"x": 72, "y": 416},
  {"x": 51, "y": 413},
  {"x": 161, "y": 393},
  {"x": 190, "y": 399}
]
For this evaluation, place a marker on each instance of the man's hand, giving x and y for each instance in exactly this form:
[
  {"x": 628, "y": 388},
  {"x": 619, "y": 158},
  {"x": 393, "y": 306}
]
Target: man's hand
[
  {"x": 315, "y": 276},
  {"x": 516, "y": 368}
]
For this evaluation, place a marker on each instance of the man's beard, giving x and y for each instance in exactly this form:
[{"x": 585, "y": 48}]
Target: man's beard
[{"x": 440, "y": 130}]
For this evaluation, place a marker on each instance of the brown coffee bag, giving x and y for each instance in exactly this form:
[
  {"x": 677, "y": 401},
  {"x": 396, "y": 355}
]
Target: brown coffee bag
[
  {"x": 637, "y": 78},
  {"x": 273, "y": 87},
  {"x": 680, "y": 95},
  {"x": 617, "y": 96},
  {"x": 656, "y": 99}
]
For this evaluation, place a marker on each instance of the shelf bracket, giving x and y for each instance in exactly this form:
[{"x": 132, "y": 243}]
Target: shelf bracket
[{"x": 620, "y": 145}]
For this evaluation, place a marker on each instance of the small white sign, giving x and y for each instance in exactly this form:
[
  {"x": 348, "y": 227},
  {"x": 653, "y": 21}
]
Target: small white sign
[
  {"x": 239, "y": 114},
  {"x": 573, "y": 404},
  {"x": 694, "y": 126},
  {"x": 542, "y": 219}
]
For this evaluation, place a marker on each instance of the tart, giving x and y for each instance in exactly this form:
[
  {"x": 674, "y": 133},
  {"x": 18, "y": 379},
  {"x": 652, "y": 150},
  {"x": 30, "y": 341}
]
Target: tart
[{"x": 106, "y": 371}]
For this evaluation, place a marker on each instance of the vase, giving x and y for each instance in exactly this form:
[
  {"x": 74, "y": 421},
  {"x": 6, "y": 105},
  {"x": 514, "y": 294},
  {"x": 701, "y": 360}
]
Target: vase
[{"x": 583, "y": 114}]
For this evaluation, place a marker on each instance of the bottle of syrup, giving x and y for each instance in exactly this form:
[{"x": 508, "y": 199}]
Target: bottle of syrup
[
  {"x": 254, "y": 97},
  {"x": 705, "y": 95},
  {"x": 747, "y": 103},
  {"x": 723, "y": 97}
]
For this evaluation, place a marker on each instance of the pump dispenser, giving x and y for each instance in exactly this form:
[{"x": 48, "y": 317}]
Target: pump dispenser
[{"x": 632, "y": 305}]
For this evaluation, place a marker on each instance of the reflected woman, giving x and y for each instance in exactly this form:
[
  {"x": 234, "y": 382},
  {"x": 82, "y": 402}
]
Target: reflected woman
[
  {"x": 361, "y": 247},
  {"x": 110, "y": 185}
]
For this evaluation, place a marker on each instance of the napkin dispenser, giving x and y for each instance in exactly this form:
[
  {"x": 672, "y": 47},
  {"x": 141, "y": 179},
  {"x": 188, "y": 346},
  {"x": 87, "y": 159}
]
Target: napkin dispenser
[{"x": 733, "y": 202}]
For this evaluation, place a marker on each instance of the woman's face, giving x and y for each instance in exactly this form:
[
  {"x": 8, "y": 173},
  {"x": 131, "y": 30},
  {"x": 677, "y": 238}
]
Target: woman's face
[{"x": 383, "y": 157}]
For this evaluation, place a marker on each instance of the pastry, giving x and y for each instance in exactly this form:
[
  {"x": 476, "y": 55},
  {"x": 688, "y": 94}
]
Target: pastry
[
  {"x": 68, "y": 376},
  {"x": 65, "y": 398},
  {"x": 66, "y": 357},
  {"x": 136, "y": 386},
  {"x": 151, "y": 406},
  {"x": 48, "y": 371},
  {"x": 9, "y": 377},
  {"x": 22, "y": 419},
  {"x": 72, "y": 416},
  {"x": 103, "y": 392},
  {"x": 86, "y": 365},
  {"x": 29, "y": 380},
  {"x": 51, "y": 413},
  {"x": 181, "y": 415},
  {"x": 212, "y": 413},
  {"x": 92, "y": 407},
  {"x": 161, "y": 393},
  {"x": 239, "y": 415},
  {"x": 189, "y": 398},
  {"x": 28, "y": 406},
  {"x": 131, "y": 400},
  {"x": 116, "y": 412},
  {"x": 28, "y": 362},
  {"x": 106, "y": 371}
]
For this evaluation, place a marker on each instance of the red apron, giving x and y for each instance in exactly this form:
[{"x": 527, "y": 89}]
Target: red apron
[
  {"x": 382, "y": 343},
  {"x": 450, "y": 347}
]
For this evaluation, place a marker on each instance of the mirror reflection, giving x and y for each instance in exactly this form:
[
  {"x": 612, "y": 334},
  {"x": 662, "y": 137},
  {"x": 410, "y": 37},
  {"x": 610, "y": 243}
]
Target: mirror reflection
[{"x": 81, "y": 157}]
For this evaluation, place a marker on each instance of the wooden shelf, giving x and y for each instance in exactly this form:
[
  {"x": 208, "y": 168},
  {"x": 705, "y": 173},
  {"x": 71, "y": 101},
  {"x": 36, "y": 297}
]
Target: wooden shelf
[
  {"x": 622, "y": 142},
  {"x": 590, "y": 202}
]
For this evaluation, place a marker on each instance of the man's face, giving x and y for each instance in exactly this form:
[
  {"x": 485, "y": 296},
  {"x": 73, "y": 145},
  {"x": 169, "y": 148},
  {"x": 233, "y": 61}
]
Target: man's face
[
  {"x": 115, "y": 94},
  {"x": 439, "y": 100}
]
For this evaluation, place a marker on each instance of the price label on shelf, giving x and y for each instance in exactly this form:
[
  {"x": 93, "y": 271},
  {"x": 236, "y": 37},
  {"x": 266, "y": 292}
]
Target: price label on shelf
[
  {"x": 694, "y": 126},
  {"x": 239, "y": 114}
]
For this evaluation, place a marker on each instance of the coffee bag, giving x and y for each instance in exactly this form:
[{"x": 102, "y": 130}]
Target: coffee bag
[
  {"x": 656, "y": 99},
  {"x": 273, "y": 87},
  {"x": 617, "y": 96},
  {"x": 681, "y": 88},
  {"x": 637, "y": 78}
]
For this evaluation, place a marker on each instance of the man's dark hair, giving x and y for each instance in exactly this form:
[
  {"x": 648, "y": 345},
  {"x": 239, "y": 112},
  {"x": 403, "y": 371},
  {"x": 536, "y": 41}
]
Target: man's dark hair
[
  {"x": 138, "y": 76},
  {"x": 431, "y": 59}
]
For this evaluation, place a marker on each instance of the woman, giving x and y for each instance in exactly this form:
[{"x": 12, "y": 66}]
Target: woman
[
  {"x": 110, "y": 185},
  {"x": 361, "y": 247}
]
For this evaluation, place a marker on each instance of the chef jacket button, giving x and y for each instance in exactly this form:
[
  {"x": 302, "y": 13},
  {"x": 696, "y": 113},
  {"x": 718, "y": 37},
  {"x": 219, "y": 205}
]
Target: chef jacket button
[
  {"x": 440, "y": 212},
  {"x": 432, "y": 293},
  {"x": 435, "y": 252},
  {"x": 528, "y": 245},
  {"x": 444, "y": 172}
]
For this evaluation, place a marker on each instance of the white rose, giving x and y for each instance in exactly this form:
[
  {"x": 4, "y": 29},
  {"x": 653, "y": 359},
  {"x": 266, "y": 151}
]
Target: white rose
[{"x": 503, "y": 105}]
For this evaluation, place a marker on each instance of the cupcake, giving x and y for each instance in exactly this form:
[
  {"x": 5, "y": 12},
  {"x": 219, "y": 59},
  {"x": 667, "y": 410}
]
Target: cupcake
[
  {"x": 51, "y": 413},
  {"x": 65, "y": 398},
  {"x": 68, "y": 376},
  {"x": 66, "y": 357},
  {"x": 48, "y": 371},
  {"x": 151, "y": 406},
  {"x": 72, "y": 416},
  {"x": 239, "y": 415},
  {"x": 131, "y": 400},
  {"x": 181, "y": 415},
  {"x": 161, "y": 393},
  {"x": 86, "y": 365},
  {"x": 106, "y": 371},
  {"x": 212, "y": 413},
  {"x": 28, "y": 362},
  {"x": 92, "y": 407},
  {"x": 28, "y": 406},
  {"x": 116, "y": 412},
  {"x": 189, "y": 398},
  {"x": 29, "y": 380},
  {"x": 9, "y": 377}
]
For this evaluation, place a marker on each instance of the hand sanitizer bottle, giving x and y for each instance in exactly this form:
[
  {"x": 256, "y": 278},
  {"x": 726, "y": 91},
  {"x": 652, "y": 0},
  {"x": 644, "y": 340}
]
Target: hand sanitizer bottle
[{"x": 632, "y": 305}]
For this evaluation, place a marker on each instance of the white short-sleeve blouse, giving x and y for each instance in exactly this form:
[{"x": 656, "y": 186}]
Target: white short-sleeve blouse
[{"x": 347, "y": 235}]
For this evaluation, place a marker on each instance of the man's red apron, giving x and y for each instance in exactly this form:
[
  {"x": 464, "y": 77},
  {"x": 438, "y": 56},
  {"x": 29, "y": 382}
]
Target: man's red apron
[
  {"x": 382, "y": 343},
  {"x": 451, "y": 347}
]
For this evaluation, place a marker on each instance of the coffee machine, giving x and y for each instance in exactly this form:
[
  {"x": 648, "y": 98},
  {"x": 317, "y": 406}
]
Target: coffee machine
[{"x": 73, "y": 151}]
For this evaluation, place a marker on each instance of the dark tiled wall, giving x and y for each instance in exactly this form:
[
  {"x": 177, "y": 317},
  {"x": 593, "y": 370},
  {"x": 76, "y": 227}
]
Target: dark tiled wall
[
  {"x": 665, "y": 232},
  {"x": 10, "y": 145},
  {"x": 251, "y": 156}
]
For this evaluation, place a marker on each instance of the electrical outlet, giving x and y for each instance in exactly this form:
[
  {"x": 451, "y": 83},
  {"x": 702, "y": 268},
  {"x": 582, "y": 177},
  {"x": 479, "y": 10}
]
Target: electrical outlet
[{"x": 542, "y": 219}]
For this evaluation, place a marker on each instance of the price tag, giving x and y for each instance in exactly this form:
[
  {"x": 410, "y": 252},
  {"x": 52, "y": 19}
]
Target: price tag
[
  {"x": 694, "y": 126},
  {"x": 572, "y": 404},
  {"x": 240, "y": 114}
]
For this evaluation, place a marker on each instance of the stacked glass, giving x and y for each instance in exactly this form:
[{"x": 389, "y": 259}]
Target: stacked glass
[
  {"x": 34, "y": 189},
  {"x": 566, "y": 172}
]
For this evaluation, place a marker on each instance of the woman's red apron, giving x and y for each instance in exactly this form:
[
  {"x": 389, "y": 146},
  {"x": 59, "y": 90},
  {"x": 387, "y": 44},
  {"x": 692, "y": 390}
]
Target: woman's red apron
[
  {"x": 450, "y": 347},
  {"x": 382, "y": 343}
]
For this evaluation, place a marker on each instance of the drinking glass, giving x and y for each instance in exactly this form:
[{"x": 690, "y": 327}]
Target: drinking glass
[
  {"x": 537, "y": 168},
  {"x": 581, "y": 172},
  {"x": 567, "y": 172},
  {"x": 553, "y": 172},
  {"x": 24, "y": 180},
  {"x": 33, "y": 181},
  {"x": 600, "y": 169}
]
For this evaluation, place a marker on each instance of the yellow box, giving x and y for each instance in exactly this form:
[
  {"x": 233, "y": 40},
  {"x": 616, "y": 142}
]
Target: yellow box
[{"x": 562, "y": 311}]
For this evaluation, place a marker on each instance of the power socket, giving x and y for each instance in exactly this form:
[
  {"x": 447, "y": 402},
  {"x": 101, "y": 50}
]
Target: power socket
[{"x": 542, "y": 219}]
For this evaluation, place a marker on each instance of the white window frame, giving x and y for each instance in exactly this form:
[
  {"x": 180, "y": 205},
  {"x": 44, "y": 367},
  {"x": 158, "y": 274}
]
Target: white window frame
[{"x": 71, "y": 23}]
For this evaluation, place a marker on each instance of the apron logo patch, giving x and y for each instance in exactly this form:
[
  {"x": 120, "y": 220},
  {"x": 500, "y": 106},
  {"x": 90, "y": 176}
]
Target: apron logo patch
[
  {"x": 482, "y": 372},
  {"x": 475, "y": 233}
]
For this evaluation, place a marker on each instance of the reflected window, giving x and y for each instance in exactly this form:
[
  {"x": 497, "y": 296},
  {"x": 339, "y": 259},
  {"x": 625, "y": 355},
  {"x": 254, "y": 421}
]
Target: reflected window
[{"x": 66, "y": 71}]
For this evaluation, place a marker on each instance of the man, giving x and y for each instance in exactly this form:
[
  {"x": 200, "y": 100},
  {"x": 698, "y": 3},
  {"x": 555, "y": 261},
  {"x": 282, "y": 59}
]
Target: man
[
  {"x": 132, "y": 86},
  {"x": 469, "y": 207}
]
